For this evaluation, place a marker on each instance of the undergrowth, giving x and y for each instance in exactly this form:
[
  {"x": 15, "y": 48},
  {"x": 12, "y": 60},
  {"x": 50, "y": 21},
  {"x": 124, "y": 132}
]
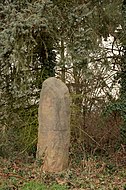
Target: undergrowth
[
  {"x": 84, "y": 173},
  {"x": 97, "y": 159}
]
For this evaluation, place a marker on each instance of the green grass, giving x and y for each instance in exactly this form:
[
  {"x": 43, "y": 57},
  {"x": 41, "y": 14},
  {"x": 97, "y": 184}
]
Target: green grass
[
  {"x": 34, "y": 185},
  {"x": 38, "y": 186},
  {"x": 58, "y": 187}
]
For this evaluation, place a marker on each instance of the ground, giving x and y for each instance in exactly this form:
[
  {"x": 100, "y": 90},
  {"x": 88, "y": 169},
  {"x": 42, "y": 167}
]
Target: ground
[{"x": 90, "y": 173}]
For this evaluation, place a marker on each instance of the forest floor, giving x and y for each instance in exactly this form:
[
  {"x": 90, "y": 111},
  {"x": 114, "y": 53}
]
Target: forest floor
[{"x": 92, "y": 173}]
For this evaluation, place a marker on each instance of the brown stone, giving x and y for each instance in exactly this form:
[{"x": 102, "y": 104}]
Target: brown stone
[{"x": 54, "y": 125}]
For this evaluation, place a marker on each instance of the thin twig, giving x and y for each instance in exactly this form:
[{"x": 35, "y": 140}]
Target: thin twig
[
  {"x": 89, "y": 136},
  {"x": 11, "y": 175}
]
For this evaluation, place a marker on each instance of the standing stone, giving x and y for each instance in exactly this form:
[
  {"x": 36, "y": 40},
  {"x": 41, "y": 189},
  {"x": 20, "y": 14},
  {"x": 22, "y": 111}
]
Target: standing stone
[{"x": 54, "y": 125}]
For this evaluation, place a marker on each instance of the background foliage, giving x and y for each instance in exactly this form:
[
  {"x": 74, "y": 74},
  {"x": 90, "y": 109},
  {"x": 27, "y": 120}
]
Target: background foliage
[{"x": 81, "y": 42}]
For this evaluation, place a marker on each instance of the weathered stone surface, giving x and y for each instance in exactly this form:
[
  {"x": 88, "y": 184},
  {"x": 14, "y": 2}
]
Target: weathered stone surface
[{"x": 54, "y": 125}]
